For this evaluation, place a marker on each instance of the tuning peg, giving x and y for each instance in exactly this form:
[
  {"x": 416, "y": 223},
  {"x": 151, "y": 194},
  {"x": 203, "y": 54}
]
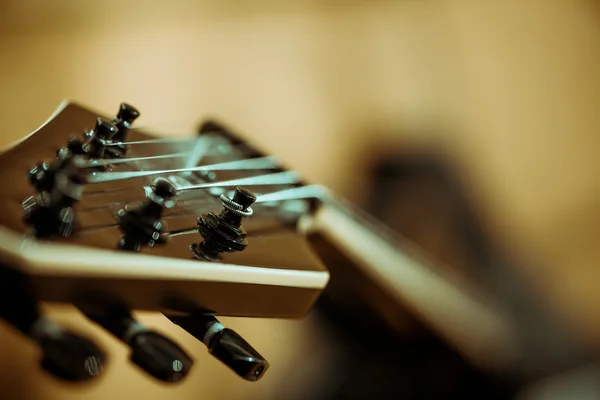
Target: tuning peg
[
  {"x": 143, "y": 226},
  {"x": 105, "y": 129},
  {"x": 159, "y": 356},
  {"x": 51, "y": 213},
  {"x": 224, "y": 232},
  {"x": 65, "y": 355},
  {"x": 42, "y": 175},
  {"x": 94, "y": 142},
  {"x": 224, "y": 344},
  {"x": 101, "y": 135},
  {"x": 125, "y": 117},
  {"x": 151, "y": 351},
  {"x": 76, "y": 146}
]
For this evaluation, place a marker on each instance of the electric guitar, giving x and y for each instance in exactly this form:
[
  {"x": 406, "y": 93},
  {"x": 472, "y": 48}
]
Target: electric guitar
[{"x": 113, "y": 218}]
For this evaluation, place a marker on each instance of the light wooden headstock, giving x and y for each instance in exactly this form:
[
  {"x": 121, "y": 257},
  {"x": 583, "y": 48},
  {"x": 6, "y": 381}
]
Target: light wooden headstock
[{"x": 111, "y": 223}]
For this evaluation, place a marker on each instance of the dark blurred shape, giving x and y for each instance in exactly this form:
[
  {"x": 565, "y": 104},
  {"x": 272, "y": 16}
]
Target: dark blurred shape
[
  {"x": 419, "y": 194},
  {"x": 65, "y": 355},
  {"x": 154, "y": 353},
  {"x": 143, "y": 226},
  {"x": 70, "y": 356},
  {"x": 391, "y": 355},
  {"x": 160, "y": 356}
]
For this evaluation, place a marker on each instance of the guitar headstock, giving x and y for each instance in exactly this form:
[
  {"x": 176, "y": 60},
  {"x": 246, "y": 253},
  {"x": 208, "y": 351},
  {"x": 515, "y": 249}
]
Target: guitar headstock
[{"x": 111, "y": 217}]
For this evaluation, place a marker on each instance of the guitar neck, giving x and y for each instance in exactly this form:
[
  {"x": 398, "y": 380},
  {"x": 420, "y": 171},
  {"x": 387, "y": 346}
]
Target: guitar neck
[{"x": 408, "y": 279}]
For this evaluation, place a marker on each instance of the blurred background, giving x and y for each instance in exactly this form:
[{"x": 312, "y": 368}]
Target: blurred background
[{"x": 504, "y": 96}]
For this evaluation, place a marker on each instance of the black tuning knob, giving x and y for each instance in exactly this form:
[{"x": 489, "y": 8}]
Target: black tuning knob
[
  {"x": 42, "y": 175},
  {"x": 95, "y": 141},
  {"x": 225, "y": 345},
  {"x": 67, "y": 355},
  {"x": 105, "y": 129},
  {"x": 229, "y": 347},
  {"x": 224, "y": 232},
  {"x": 123, "y": 120},
  {"x": 102, "y": 134},
  {"x": 51, "y": 213},
  {"x": 77, "y": 146},
  {"x": 152, "y": 352},
  {"x": 64, "y": 354},
  {"x": 143, "y": 226},
  {"x": 159, "y": 356}
]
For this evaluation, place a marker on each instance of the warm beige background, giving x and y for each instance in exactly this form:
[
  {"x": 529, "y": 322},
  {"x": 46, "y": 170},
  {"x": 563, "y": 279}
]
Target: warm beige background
[{"x": 511, "y": 88}]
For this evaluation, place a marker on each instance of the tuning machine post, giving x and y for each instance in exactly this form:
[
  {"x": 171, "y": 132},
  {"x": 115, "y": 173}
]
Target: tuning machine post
[
  {"x": 224, "y": 232},
  {"x": 94, "y": 142},
  {"x": 41, "y": 176},
  {"x": 125, "y": 117},
  {"x": 60, "y": 185},
  {"x": 143, "y": 226},
  {"x": 224, "y": 344}
]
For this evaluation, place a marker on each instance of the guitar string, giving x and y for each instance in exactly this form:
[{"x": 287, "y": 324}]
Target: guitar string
[
  {"x": 154, "y": 141},
  {"x": 277, "y": 179},
  {"x": 85, "y": 163},
  {"x": 200, "y": 149},
  {"x": 296, "y": 193},
  {"x": 187, "y": 142},
  {"x": 184, "y": 207},
  {"x": 268, "y": 161},
  {"x": 173, "y": 140},
  {"x": 207, "y": 141},
  {"x": 192, "y": 216},
  {"x": 257, "y": 233},
  {"x": 261, "y": 163},
  {"x": 91, "y": 193},
  {"x": 129, "y": 164},
  {"x": 204, "y": 146}
]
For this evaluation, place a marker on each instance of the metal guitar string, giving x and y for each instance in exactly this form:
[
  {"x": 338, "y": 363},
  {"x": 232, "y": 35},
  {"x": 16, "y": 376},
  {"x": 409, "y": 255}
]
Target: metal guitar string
[
  {"x": 193, "y": 207},
  {"x": 282, "y": 178},
  {"x": 84, "y": 163},
  {"x": 88, "y": 193},
  {"x": 302, "y": 192},
  {"x": 154, "y": 141},
  {"x": 258, "y": 233},
  {"x": 104, "y": 206},
  {"x": 143, "y": 228},
  {"x": 176, "y": 140},
  {"x": 203, "y": 146},
  {"x": 278, "y": 178},
  {"x": 239, "y": 165}
]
